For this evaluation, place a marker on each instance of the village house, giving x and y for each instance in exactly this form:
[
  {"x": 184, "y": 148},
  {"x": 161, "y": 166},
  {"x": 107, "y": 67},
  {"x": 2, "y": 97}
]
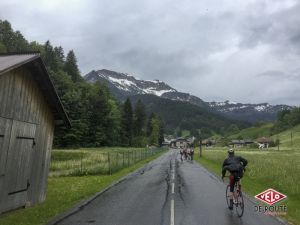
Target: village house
[
  {"x": 179, "y": 143},
  {"x": 264, "y": 142},
  {"x": 241, "y": 143},
  {"x": 208, "y": 142}
]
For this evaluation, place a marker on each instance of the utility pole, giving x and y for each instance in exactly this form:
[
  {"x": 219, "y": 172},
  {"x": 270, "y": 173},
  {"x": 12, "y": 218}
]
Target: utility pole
[{"x": 291, "y": 138}]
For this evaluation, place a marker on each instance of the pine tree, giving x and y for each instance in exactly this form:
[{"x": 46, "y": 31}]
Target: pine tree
[
  {"x": 99, "y": 111},
  {"x": 59, "y": 57},
  {"x": 49, "y": 57},
  {"x": 154, "y": 136},
  {"x": 161, "y": 138},
  {"x": 11, "y": 41},
  {"x": 71, "y": 67},
  {"x": 127, "y": 123},
  {"x": 139, "y": 119},
  {"x": 149, "y": 125}
]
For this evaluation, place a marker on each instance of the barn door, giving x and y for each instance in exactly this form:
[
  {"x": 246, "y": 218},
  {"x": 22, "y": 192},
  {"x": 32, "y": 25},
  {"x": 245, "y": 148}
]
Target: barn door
[
  {"x": 18, "y": 166},
  {"x": 5, "y": 128}
]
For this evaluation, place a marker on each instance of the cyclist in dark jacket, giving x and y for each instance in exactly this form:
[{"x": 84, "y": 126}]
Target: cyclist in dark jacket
[{"x": 236, "y": 166}]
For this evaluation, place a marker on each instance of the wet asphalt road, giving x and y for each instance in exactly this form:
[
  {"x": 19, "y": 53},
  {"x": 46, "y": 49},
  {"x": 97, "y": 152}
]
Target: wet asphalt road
[{"x": 166, "y": 192}]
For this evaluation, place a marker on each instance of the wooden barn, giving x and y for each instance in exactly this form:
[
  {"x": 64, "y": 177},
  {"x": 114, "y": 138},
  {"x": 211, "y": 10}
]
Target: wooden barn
[{"x": 29, "y": 110}]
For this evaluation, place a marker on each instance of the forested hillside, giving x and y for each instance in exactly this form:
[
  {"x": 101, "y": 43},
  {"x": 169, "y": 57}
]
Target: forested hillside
[
  {"x": 286, "y": 119},
  {"x": 179, "y": 116},
  {"x": 286, "y": 122},
  {"x": 97, "y": 117}
]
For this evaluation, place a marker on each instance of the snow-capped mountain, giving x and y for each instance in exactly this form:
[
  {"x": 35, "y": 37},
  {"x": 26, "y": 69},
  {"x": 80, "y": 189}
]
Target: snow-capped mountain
[
  {"x": 229, "y": 106},
  {"x": 248, "y": 112},
  {"x": 130, "y": 84},
  {"x": 123, "y": 85}
]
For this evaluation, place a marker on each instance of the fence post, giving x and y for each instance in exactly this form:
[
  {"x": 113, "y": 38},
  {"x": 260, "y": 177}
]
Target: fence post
[
  {"x": 123, "y": 159},
  {"x": 128, "y": 159},
  {"x": 81, "y": 163},
  {"x": 109, "y": 166},
  {"x": 117, "y": 160},
  {"x": 134, "y": 156}
]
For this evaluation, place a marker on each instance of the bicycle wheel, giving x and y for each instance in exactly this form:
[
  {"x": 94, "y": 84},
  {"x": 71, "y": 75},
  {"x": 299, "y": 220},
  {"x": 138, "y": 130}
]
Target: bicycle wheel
[
  {"x": 239, "y": 205},
  {"x": 228, "y": 195}
]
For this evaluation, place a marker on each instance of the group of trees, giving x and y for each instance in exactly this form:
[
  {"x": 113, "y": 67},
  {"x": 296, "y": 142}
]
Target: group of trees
[
  {"x": 137, "y": 130},
  {"x": 97, "y": 118},
  {"x": 286, "y": 119}
]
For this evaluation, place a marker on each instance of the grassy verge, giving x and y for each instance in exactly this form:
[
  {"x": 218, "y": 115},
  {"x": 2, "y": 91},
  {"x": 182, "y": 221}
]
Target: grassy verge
[
  {"x": 95, "y": 161},
  {"x": 63, "y": 193},
  {"x": 267, "y": 169}
]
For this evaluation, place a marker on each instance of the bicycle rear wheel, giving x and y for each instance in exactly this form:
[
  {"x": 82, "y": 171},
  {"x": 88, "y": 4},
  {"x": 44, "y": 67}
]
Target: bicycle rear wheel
[
  {"x": 228, "y": 195},
  {"x": 239, "y": 205}
]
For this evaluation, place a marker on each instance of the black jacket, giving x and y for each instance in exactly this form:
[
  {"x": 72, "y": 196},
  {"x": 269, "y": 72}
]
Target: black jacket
[{"x": 234, "y": 164}]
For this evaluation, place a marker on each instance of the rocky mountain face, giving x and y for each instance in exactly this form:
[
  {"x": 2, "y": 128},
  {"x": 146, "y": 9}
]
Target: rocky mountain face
[{"x": 124, "y": 85}]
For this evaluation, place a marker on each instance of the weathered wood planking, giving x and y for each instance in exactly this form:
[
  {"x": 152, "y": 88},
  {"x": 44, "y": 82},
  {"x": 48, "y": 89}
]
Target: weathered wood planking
[{"x": 27, "y": 125}]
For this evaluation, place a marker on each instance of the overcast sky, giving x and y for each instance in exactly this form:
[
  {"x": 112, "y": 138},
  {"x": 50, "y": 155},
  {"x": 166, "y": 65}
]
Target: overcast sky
[{"x": 246, "y": 51}]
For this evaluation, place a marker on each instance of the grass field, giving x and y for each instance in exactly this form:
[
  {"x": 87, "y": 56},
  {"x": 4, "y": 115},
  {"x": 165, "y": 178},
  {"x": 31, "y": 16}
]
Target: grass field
[
  {"x": 254, "y": 132},
  {"x": 267, "y": 169},
  {"x": 289, "y": 139},
  {"x": 95, "y": 160},
  {"x": 65, "y": 191}
]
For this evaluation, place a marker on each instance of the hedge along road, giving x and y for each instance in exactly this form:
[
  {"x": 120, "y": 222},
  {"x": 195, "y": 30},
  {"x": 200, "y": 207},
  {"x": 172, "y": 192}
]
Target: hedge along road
[{"x": 166, "y": 192}]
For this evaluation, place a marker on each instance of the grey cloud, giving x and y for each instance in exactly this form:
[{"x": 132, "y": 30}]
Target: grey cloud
[
  {"x": 280, "y": 29},
  {"x": 213, "y": 49},
  {"x": 293, "y": 75}
]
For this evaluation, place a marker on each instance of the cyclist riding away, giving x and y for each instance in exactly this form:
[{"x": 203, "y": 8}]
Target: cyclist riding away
[{"x": 236, "y": 166}]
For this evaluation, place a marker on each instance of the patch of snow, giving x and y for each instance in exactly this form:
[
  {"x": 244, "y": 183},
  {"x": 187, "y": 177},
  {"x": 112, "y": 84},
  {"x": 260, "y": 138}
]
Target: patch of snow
[
  {"x": 153, "y": 81},
  {"x": 152, "y": 90},
  {"x": 220, "y": 103},
  {"x": 101, "y": 75},
  {"x": 122, "y": 82},
  {"x": 260, "y": 108},
  {"x": 123, "y": 88}
]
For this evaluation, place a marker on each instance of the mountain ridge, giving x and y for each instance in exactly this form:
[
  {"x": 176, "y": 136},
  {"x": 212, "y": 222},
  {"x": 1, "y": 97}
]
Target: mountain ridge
[{"x": 123, "y": 85}]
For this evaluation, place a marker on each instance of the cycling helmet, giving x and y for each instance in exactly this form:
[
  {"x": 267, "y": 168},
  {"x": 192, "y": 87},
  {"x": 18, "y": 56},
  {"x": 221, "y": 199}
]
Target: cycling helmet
[{"x": 231, "y": 151}]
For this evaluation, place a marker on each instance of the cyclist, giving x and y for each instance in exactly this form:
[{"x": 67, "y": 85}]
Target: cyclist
[
  {"x": 181, "y": 154},
  {"x": 236, "y": 166},
  {"x": 192, "y": 153}
]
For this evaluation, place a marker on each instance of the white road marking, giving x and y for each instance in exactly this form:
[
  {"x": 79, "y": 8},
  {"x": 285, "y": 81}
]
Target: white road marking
[{"x": 172, "y": 221}]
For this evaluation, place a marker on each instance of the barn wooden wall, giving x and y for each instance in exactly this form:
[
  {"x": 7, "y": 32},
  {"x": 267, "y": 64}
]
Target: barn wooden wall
[{"x": 22, "y": 102}]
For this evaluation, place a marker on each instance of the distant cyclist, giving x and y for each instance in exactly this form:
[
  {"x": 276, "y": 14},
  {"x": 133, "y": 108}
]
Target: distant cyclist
[
  {"x": 181, "y": 155},
  {"x": 236, "y": 166},
  {"x": 192, "y": 153}
]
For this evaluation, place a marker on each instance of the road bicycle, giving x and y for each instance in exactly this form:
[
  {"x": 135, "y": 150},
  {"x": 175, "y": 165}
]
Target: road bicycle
[{"x": 238, "y": 200}]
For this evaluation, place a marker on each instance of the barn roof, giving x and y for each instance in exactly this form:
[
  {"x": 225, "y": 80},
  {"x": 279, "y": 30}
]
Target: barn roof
[{"x": 33, "y": 62}]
